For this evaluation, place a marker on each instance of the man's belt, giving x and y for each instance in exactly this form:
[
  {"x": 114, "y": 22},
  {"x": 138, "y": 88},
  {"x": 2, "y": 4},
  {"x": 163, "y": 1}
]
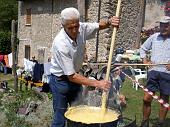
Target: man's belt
[{"x": 62, "y": 77}]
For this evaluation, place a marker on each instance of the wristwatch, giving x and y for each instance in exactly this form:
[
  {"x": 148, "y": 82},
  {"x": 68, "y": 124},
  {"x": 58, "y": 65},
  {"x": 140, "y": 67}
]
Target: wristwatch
[{"x": 106, "y": 19}]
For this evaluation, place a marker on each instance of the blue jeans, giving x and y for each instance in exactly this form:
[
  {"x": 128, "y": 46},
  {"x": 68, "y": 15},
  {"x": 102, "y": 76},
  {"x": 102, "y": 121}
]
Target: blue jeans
[
  {"x": 5, "y": 70},
  {"x": 1, "y": 67},
  {"x": 64, "y": 92}
]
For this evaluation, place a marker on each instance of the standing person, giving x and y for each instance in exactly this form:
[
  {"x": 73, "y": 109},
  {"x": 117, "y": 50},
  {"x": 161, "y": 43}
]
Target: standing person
[
  {"x": 6, "y": 64},
  {"x": 158, "y": 76},
  {"x": 67, "y": 57},
  {"x": 1, "y": 62}
]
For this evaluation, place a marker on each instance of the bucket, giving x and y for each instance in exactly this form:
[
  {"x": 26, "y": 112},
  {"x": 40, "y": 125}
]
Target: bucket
[{"x": 89, "y": 116}]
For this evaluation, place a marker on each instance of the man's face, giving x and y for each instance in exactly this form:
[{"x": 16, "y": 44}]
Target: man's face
[
  {"x": 165, "y": 29},
  {"x": 72, "y": 28}
]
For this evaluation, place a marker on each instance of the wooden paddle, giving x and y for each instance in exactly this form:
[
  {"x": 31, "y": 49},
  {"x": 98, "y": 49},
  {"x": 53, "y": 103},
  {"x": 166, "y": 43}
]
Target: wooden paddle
[{"x": 105, "y": 94}]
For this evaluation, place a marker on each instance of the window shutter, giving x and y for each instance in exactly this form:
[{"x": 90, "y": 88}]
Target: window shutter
[{"x": 28, "y": 16}]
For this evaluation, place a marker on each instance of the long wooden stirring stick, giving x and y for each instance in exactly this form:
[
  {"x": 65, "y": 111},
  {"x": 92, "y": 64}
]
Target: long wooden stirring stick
[{"x": 105, "y": 94}]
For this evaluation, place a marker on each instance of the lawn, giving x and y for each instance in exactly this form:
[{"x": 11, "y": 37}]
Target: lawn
[{"x": 135, "y": 102}]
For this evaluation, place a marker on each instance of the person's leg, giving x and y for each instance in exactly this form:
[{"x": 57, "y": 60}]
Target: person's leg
[
  {"x": 60, "y": 102},
  {"x": 5, "y": 70},
  {"x": 164, "y": 88},
  {"x": 163, "y": 111},
  {"x": 146, "y": 109},
  {"x": 59, "y": 119},
  {"x": 147, "y": 106},
  {"x": 1, "y": 66},
  {"x": 152, "y": 85}
]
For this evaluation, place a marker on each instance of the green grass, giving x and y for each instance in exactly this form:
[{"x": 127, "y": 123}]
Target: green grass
[
  {"x": 134, "y": 101},
  {"x": 10, "y": 107},
  {"x": 9, "y": 78},
  {"x": 135, "y": 104}
]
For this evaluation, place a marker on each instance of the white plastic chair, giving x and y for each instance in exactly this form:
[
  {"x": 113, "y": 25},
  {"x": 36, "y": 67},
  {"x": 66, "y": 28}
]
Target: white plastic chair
[{"x": 139, "y": 74}]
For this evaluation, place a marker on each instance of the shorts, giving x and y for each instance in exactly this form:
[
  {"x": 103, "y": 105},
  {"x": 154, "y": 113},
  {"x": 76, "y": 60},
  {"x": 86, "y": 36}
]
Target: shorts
[{"x": 158, "y": 81}]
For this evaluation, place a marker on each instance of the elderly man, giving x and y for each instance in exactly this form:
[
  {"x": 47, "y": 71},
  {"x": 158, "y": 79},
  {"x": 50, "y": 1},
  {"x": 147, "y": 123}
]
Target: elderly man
[
  {"x": 158, "y": 76},
  {"x": 67, "y": 57}
]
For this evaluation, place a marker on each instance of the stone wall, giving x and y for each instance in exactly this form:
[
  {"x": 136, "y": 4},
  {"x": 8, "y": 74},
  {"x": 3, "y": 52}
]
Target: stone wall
[
  {"x": 44, "y": 27},
  {"x": 46, "y": 24},
  {"x": 154, "y": 10},
  {"x": 128, "y": 35}
]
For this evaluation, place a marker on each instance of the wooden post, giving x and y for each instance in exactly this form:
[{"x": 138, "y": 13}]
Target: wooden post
[{"x": 14, "y": 62}]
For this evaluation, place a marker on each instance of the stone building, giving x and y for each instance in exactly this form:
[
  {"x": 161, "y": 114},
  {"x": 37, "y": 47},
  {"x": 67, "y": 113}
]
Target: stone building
[{"x": 39, "y": 22}]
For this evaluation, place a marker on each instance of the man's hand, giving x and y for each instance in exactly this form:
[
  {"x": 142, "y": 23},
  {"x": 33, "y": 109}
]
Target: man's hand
[
  {"x": 103, "y": 84},
  {"x": 114, "y": 21},
  {"x": 146, "y": 61},
  {"x": 168, "y": 67},
  {"x": 79, "y": 79}
]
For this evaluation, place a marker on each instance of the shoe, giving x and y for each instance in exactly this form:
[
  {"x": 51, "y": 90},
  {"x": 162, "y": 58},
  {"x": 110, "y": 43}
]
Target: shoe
[
  {"x": 158, "y": 124},
  {"x": 145, "y": 123}
]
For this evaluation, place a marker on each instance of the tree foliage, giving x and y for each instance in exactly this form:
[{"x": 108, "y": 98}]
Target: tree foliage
[
  {"x": 5, "y": 43},
  {"x": 8, "y": 12}
]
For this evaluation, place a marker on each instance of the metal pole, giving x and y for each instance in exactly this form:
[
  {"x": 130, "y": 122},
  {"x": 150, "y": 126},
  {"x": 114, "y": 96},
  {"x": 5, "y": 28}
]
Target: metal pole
[
  {"x": 81, "y": 8},
  {"x": 97, "y": 38},
  {"x": 126, "y": 64}
]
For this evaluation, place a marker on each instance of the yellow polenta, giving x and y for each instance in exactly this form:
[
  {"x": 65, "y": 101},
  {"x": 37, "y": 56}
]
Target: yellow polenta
[{"x": 89, "y": 115}]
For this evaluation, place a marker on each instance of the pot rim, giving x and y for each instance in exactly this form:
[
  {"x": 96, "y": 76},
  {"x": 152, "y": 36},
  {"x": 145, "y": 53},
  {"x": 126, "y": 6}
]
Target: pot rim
[{"x": 70, "y": 109}]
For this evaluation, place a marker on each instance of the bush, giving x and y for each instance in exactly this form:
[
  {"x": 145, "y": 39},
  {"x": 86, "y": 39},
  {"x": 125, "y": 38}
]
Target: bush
[{"x": 5, "y": 42}]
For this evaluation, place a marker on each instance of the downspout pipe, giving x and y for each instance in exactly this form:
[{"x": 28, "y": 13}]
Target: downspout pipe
[
  {"x": 81, "y": 8},
  {"x": 97, "y": 38}
]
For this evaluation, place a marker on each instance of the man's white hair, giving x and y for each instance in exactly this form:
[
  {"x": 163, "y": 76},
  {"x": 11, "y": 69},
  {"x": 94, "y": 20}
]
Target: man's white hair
[{"x": 69, "y": 14}]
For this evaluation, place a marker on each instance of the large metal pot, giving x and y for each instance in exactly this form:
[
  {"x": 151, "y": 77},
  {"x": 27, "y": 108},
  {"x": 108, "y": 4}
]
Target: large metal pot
[{"x": 74, "y": 122}]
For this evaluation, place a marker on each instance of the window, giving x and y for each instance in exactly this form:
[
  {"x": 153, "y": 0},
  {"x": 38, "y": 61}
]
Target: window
[
  {"x": 28, "y": 17},
  {"x": 27, "y": 51}
]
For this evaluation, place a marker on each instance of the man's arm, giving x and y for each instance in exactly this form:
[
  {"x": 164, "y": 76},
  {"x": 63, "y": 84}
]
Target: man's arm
[
  {"x": 114, "y": 21},
  {"x": 79, "y": 79},
  {"x": 145, "y": 48},
  {"x": 168, "y": 67}
]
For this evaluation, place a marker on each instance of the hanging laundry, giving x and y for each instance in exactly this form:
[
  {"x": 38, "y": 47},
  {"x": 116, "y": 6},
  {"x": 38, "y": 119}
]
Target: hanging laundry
[
  {"x": 38, "y": 72},
  {"x": 10, "y": 60}
]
